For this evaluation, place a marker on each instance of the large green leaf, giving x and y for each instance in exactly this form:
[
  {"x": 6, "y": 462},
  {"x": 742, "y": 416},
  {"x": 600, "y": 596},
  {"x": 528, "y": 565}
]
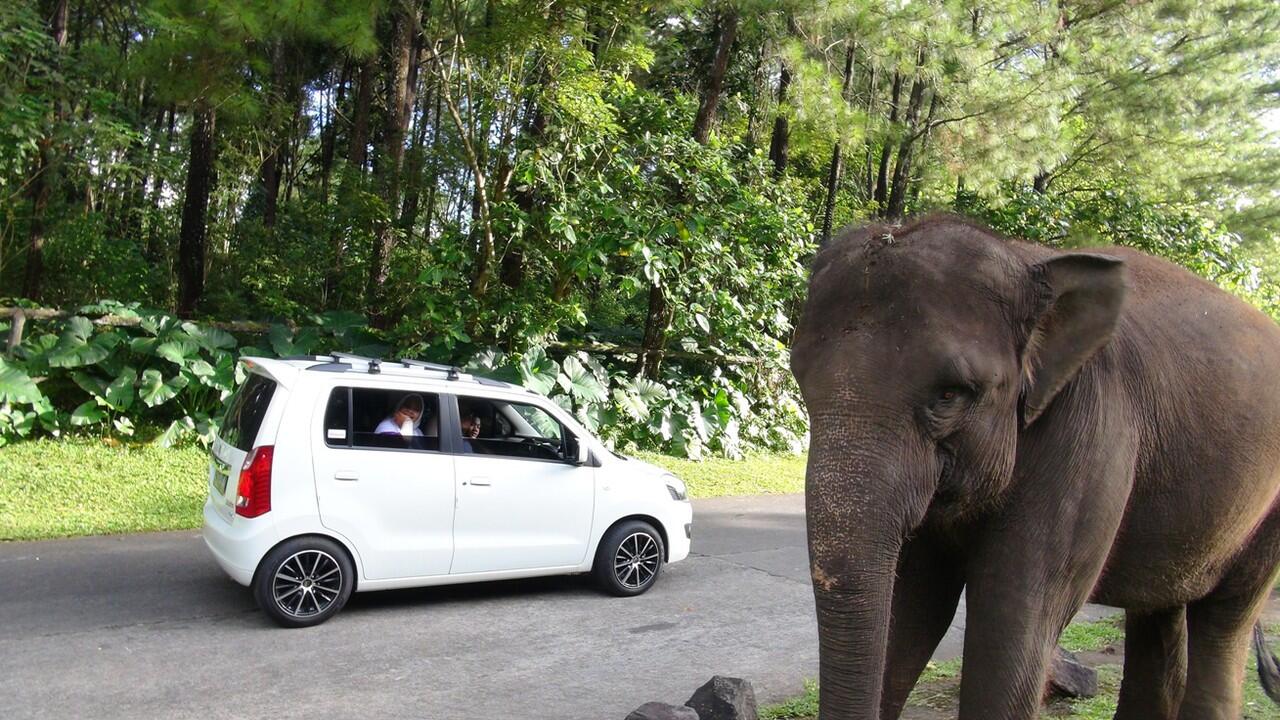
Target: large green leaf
[
  {"x": 91, "y": 384},
  {"x": 209, "y": 338},
  {"x": 155, "y": 391},
  {"x": 16, "y": 385},
  {"x": 201, "y": 369},
  {"x": 88, "y": 413},
  {"x": 339, "y": 321},
  {"x": 631, "y": 404},
  {"x": 578, "y": 381},
  {"x": 119, "y": 393},
  {"x": 537, "y": 371},
  {"x": 178, "y": 352},
  {"x": 77, "y": 347},
  {"x": 177, "y": 430}
]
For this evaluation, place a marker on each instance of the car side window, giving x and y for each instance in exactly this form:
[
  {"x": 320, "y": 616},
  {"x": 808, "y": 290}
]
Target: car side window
[
  {"x": 397, "y": 419},
  {"x": 519, "y": 430}
]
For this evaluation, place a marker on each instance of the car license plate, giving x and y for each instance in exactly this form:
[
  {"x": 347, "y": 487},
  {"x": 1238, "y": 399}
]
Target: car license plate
[{"x": 219, "y": 479}]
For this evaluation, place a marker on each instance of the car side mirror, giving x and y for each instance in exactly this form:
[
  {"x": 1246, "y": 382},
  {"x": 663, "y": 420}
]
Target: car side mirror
[{"x": 580, "y": 451}]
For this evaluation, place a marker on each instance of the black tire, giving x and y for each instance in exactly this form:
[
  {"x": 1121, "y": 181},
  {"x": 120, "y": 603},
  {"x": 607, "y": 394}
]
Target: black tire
[
  {"x": 304, "y": 581},
  {"x": 629, "y": 559}
]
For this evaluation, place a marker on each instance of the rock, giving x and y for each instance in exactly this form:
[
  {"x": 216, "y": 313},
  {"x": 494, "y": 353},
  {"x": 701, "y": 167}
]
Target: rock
[
  {"x": 1069, "y": 678},
  {"x": 662, "y": 711},
  {"x": 724, "y": 698}
]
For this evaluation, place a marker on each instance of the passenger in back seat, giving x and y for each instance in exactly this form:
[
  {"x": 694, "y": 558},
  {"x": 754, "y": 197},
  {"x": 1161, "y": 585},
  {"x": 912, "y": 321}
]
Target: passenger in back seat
[{"x": 404, "y": 421}]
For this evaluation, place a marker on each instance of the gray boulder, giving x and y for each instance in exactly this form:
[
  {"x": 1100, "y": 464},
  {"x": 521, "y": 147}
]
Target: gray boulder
[
  {"x": 724, "y": 698},
  {"x": 1069, "y": 678},
  {"x": 662, "y": 711}
]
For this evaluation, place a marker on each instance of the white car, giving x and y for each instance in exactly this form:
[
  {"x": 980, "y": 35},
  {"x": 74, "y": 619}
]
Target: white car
[{"x": 340, "y": 474}]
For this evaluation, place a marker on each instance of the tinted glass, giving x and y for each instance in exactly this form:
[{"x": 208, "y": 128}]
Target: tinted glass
[
  {"x": 337, "y": 417},
  {"x": 378, "y": 419},
  {"x": 245, "y": 411},
  {"x": 511, "y": 430}
]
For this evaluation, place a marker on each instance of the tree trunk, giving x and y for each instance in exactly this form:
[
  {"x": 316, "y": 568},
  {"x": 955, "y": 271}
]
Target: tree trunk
[
  {"x": 414, "y": 163},
  {"x": 45, "y": 172},
  {"x": 432, "y": 186},
  {"x": 401, "y": 97},
  {"x": 655, "y": 333},
  {"x": 525, "y": 197},
  {"x": 881, "y": 195},
  {"x": 779, "y": 143},
  {"x": 358, "y": 152},
  {"x": 753, "y": 114},
  {"x": 896, "y": 205},
  {"x": 284, "y": 98},
  {"x": 1041, "y": 181},
  {"x": 195, "y": 207},
  {"x": 837, "y": 162},
  {"x": 728, "y": 30},
  {"x": 329, "y": 135},
  {"x": 869, "y": 173}
]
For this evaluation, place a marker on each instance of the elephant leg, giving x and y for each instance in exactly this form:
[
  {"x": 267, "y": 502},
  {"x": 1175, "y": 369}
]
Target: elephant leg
[
  {"x": 1155, "y": 664},
  {"x": 925, "y": 596},
  {"x": 1219, "y": 624},
  {"x": 1218, "y": 633}
]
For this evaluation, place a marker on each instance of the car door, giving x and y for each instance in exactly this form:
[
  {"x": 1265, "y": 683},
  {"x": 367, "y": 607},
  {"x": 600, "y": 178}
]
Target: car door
[
  {"x": 392, "y": 495},
  {"x": 519, "y": 506}
]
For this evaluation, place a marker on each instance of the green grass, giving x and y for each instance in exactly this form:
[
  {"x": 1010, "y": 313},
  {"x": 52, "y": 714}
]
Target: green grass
[
  {"x": 756, "y": 474},
  {"x": 79, "y": 486},
  {"x": 1087, "y": 636},
  {"x": 61, "y": 488},
  {"x": 801, "y": 706}
]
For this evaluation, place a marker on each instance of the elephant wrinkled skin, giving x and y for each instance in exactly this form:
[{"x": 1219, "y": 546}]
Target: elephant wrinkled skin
[{"x": 1036, "y": 428}]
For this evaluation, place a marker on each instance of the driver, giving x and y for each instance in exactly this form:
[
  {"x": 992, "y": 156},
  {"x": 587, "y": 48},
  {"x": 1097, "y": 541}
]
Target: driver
[{"x": 470, "y": 430}]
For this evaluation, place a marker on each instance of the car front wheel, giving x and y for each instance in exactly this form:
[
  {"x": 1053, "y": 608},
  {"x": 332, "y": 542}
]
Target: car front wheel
[
  {"x": 629, "y": 559},
  {"x": 304, "y": 582}
]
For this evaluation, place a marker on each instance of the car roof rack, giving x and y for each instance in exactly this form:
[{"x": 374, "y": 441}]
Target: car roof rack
[
  {"x": 451, "y": 370},
  {"x": 342, "y": 361}
]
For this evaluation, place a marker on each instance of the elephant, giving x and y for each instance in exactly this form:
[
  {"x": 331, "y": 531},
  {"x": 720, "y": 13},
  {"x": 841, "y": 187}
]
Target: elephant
[{"x": 1036, "y": 428}]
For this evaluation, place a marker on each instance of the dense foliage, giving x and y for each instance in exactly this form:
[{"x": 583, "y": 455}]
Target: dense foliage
[{"x": 506, "y": 182}]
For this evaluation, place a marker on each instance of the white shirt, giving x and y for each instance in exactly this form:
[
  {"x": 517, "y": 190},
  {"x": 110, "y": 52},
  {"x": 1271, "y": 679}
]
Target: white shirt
[{"x": 389, "y": 427}]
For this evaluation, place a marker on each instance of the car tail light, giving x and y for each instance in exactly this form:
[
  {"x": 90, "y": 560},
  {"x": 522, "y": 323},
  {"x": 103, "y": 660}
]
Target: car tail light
[{"x": 253, "y": 494}]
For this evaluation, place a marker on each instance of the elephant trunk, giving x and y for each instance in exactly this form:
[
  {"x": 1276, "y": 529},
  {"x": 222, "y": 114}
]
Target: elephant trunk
[
  {"x": 853, "y": 628},
  {"x": 859, "y": 509}
]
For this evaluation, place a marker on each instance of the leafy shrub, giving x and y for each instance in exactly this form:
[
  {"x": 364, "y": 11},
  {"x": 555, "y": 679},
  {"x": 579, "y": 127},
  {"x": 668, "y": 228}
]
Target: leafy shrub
[
  {"x": 1118, "y": 216},
  {"x": 151, "y": 370},
  {"x": 723, "y": 411}
]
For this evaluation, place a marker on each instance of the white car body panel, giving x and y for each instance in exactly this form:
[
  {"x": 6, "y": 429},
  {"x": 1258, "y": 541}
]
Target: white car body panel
[{"x": 517, "y": 514}]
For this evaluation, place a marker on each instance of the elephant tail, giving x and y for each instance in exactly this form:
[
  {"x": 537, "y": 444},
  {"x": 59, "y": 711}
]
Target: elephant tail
[{"x": 1268, "y": 672}]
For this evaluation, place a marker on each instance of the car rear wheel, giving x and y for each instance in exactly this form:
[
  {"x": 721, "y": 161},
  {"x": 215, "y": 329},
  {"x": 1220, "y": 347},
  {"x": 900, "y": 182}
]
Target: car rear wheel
[
  {"x": 629, "y": 559},
  {"x": 304, "y": 581}
]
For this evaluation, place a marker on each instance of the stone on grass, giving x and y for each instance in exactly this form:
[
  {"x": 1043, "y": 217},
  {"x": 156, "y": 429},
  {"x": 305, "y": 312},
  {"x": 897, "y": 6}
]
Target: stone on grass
[
  {"x": 662, "y": 711},
  {"x": 1069, "y": 678},
  {"x": 724, "y": 698}
]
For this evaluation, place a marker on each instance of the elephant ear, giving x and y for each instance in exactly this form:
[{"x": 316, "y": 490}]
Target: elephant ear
[{"x": 1080, "y": 296}]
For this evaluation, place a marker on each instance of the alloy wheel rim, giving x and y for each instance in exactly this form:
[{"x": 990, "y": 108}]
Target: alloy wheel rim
[
  {"x": 307, "y": 583},
  {"x": 636, "y": 562}
]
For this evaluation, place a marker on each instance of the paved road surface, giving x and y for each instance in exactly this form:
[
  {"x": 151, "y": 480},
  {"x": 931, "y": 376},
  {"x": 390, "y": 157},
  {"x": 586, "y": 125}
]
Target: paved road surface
[{"x": 147, "y": 626}]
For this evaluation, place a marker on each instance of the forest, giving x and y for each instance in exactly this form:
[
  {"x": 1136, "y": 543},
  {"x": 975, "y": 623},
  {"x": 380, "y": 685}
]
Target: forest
[{"x": 613, "y": 202}]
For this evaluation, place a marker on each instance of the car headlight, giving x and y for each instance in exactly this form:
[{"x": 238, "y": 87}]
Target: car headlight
[{"x": 676, "y": 487}]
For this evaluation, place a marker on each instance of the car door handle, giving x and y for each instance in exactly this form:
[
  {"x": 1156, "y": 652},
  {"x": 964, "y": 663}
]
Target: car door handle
[
  {"x": 346, "y": 475},
  {"x": 480, "y": 481}
]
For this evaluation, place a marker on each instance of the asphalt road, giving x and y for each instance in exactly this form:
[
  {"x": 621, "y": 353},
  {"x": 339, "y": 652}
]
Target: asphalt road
[{"x": 147, "y": 626}]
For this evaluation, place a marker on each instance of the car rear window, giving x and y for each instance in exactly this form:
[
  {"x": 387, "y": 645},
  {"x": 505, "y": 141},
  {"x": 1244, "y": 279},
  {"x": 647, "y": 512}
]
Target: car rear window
[{"x": 245, "y": 411}]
